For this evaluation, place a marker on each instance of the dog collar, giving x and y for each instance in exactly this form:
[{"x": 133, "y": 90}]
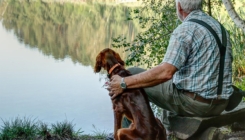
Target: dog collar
[{"x": 112, "y": 68}]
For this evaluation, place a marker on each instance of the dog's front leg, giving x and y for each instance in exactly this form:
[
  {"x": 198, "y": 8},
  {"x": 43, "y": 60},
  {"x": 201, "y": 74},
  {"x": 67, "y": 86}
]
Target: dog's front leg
[
  {"x": 117, "y": 123},
  {"x": 118, "y": 114}
]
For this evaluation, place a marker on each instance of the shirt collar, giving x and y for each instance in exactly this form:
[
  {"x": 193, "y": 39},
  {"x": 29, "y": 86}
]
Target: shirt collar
[{"x": 191, "y": 14}]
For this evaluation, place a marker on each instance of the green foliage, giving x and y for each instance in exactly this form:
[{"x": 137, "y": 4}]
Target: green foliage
[
  {"x": 64, "y": 129},
  {"x": 43, "y": 129},
  {"x": 237, "y": 40},
  {"x": 238, "y": 43},
  {"x": 158, "y": 19},
  {"x": 25, "y": 128},
  {"x": 29, "y": 129},
  {"x": 240, "y": 83}
]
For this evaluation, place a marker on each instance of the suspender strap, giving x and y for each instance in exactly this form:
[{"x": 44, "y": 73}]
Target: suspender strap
[{"x": 222, "y": 50}]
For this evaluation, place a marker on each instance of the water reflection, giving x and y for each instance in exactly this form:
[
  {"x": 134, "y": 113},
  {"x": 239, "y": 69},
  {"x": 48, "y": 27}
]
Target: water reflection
[
  {"x": 46, "y": 84},
  {"x": 67, "y": 30}
]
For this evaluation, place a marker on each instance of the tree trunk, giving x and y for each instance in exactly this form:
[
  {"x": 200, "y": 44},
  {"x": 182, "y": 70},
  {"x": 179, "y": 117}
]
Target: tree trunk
[
  {"x": 209, "y": 8},
  {"x": 233, "y": 14}
]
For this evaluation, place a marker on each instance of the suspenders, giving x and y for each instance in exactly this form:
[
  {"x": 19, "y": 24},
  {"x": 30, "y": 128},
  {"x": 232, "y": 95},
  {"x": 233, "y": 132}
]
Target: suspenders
[{"x": 222, "y": 50}]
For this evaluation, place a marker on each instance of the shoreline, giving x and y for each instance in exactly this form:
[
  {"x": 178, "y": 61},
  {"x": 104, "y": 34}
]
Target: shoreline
[{"x": 130, "y": 3}]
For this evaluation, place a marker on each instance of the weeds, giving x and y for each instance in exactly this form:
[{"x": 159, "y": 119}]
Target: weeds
[
  {"x": 43, "y": 130},
  {"x": 98, "y": 133},
  {"x": 31, "y": 129},
  {"x": 19, "y": 128},
  {"x": 65, "y": 129}
]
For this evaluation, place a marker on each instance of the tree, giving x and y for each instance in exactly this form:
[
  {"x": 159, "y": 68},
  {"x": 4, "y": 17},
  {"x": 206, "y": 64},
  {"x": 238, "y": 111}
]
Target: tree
[
  {"x": 158, "y": 19},
  {"x": 233, "y": 14}
]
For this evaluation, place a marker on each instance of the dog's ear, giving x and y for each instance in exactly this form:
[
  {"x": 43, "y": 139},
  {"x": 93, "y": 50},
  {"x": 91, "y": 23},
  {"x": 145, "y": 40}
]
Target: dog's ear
[
  {"x": 98, "y": 64},
  {"x": 117, "y": 56}
]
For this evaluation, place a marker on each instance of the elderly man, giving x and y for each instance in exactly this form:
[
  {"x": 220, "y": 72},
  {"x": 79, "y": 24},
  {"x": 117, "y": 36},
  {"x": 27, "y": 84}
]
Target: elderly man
[{"x": 186, "y": 81}]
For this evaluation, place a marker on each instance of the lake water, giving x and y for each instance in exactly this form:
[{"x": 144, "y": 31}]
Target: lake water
[{"x": 47, "y": 54}]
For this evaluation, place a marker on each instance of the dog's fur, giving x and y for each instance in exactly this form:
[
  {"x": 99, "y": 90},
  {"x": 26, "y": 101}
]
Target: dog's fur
[{"x": 132, "y": 103}]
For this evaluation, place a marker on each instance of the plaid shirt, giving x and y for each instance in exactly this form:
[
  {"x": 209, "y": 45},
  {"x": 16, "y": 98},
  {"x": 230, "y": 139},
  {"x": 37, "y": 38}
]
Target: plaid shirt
[{"x": 194, "y": 52}]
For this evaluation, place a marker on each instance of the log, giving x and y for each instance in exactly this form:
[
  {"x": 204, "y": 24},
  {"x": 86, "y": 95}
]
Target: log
[{"x": 186, "y": 127}]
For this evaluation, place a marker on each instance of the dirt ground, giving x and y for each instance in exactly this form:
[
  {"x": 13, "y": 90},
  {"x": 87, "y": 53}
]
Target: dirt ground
[
  {"x": 234, "y": 132},
  {"x": 235, "y": 136}
]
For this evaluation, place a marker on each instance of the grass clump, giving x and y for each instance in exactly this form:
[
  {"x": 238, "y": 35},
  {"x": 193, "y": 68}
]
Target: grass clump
[
  {"x": 99, "y": 134},
  {"x": 31, "y": 129},
  {"x": 43, "y": 130},
  {"x": 17, "y": 128},
  {"x": 65, "y": 129}
]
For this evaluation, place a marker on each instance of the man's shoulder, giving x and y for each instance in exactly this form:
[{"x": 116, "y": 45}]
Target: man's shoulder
[
  {"x": 185, "y": 29},
  {"x": 187, "y": 25},
  {"x": 199, "y": 15}
]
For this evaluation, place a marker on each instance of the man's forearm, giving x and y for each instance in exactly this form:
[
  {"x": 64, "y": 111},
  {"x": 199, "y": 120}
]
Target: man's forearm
[{"x": 152, "y": 77}]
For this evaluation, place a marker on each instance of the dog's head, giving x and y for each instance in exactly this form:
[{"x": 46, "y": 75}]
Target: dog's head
[{"x": 106, "y": 59}]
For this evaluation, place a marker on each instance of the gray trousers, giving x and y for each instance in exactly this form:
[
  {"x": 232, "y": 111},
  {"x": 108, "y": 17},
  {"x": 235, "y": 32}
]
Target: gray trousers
[{"x": 174, "y": 102}]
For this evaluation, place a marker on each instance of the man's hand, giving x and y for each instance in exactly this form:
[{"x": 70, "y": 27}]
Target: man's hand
[{"x": 114, "y": 86}]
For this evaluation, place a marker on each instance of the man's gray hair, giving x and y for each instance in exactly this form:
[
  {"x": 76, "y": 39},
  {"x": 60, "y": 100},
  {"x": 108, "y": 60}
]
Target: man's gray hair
[{"x": 190, "y": 5}]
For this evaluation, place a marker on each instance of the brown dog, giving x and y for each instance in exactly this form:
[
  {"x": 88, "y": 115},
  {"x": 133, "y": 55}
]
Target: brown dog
[{"x": 132, "y": 103}]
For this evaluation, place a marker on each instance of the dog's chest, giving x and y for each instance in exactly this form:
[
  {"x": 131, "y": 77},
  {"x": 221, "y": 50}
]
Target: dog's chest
[{"x": 119, "y": 103}]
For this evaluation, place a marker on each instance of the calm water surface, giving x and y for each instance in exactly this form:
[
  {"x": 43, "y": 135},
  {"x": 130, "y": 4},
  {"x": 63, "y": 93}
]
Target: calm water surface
[
  {"x": 46, "y": 63},
  {"x": 38, "y": 86}
]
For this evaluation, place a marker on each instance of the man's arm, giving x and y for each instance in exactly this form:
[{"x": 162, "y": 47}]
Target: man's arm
[{"x": 152, "y": 77}]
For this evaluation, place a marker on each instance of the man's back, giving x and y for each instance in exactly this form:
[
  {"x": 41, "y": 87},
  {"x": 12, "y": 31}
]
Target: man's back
[{"x": 194, "y": 51}]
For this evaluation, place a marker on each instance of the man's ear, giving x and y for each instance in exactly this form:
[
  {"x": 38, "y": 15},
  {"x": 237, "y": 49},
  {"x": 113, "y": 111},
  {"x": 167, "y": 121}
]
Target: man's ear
[{"x": 179, "y": 7}]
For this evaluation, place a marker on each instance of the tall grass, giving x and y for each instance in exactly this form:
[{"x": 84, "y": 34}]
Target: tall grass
[
  {"x": 99, "y": 134},
  {"x": 237, "y": 40},
  {"x": 65, "y": 129},
  {"x": 32, "y": 129},
  {"x": 238, "y": 43},
  {"x": 238, "y": 47},
  {"x": 25, "y": 128}
]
